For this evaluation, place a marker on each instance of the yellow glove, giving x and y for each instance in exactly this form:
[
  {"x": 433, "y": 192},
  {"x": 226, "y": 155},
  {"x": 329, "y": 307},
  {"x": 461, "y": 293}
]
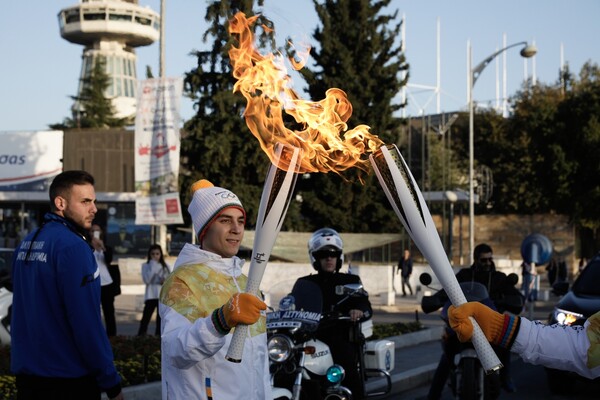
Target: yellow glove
[
  {"x": 499, "y": 329},
  {"x": 242, "y": 308}
]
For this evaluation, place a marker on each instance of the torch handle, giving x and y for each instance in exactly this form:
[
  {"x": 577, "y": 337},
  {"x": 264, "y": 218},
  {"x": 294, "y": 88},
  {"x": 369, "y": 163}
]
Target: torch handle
[
  {"x": 236, "y": 346},
  {"x": 407, "y": 201},
  {"x": 274, "y": 203}
]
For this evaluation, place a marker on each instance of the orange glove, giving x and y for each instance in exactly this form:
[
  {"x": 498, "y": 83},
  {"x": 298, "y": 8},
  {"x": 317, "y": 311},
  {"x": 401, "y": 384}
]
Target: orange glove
[
  {"x": 499, "y": 329},
  {"x": 242, "y": 308}
]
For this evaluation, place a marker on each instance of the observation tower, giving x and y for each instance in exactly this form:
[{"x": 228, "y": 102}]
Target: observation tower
[{"x": 110, "y": 30}]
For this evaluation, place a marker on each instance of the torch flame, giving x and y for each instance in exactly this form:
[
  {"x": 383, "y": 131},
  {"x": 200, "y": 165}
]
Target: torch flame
[{"x": 264, "y": 82}]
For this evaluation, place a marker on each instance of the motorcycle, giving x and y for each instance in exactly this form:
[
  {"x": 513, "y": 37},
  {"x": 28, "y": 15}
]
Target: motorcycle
[
  {"x": 467, "y": 376},
  {"x": 301, "y": 366},
  {"x": 5, "y": 308}
]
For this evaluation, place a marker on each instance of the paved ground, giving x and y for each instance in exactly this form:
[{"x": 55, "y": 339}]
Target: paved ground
[{"x": 416, "y": 355}]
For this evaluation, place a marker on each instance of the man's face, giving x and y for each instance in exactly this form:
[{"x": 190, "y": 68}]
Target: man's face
[
  {"x": 224, "y": 235},
  {"x": 78, "y": 205},
  {"x": 485, "y": 261},
  {"x": 327, "y": 259}
]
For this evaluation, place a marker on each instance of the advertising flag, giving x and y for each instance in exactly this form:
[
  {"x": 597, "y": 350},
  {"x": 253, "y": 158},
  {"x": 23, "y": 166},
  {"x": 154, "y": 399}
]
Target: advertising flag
[{"x": 157, "y": 145}]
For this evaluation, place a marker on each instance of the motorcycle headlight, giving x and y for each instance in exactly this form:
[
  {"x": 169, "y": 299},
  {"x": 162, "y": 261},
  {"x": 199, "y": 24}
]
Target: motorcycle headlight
[
  {"x": 335, "y": 374},
  {"x": 564, "y": 317},
  {"x": 280, "y": 348}
]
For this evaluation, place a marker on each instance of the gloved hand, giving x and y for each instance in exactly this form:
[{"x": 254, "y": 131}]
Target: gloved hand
[
  {"x": 242, "y": 308},
  {"x": 499, "y": 329}
]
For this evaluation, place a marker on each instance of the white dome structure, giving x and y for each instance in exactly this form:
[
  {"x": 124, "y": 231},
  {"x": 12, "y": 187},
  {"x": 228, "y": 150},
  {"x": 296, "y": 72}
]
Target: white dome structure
[{"x": 111, "y": 30}]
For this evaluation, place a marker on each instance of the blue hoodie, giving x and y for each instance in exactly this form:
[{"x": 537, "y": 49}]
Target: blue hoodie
[{"x": 56, "y": 324}]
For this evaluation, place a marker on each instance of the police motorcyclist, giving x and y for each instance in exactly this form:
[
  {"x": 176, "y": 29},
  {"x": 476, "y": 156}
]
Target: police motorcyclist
[
  {"x": 325, "y": 249},
  {"x": 499, "y": 287}
]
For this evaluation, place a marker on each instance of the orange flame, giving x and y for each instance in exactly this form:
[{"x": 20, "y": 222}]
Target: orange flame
[{"x": 264, "y": 82}]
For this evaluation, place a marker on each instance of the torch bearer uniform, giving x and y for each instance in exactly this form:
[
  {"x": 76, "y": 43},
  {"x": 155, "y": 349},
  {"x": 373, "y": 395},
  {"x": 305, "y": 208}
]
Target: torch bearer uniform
[{"x": 193, "y": 352}]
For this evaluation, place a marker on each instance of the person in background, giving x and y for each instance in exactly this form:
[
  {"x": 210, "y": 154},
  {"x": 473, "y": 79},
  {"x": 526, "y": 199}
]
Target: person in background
[
  {"x": 59, "y": 349},
  {"x": 570, "y": 348},
  {"x": 498, "y": 285},
  {"x": 563, "y": 271},
  {"x": 552, "y": 269},
  {"x": 528, "y": 275},
  {"x": 325, "y": 250},
  {"x": 110, "y": 278},
  {"x": 154, "y": 272},
  {"x": 203, "y": 300},
  {"x": 405, "y": 266}
]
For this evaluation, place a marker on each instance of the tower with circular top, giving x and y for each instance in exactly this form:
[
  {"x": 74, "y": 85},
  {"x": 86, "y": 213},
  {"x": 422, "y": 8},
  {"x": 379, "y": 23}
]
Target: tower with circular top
[{"x": 111, "y": 30}]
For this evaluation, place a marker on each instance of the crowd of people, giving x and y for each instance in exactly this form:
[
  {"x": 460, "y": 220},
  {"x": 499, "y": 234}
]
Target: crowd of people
[{"x": 64, "y": 281}]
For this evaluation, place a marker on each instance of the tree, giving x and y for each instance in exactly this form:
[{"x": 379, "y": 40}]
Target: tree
[
  {"x": 216, "y": 143},
  {"x": 544, "y": 156},
  {"x": 360, "y": 54},
  {"x": 94, "y": 109}
]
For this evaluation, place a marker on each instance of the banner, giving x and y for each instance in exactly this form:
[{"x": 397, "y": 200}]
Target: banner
[
  {"x": 157, "y": 145},
  {"x": 28, "y": 160}
]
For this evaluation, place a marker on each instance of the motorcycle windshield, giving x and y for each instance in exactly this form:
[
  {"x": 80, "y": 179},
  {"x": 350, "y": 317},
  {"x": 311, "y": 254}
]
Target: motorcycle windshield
[
  {"x": 474, "y": 291},
  {"x": 300, "y": 310},
  {"x": 307, "y": 295}
]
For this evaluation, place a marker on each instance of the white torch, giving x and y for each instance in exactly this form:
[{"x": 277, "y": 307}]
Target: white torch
[
  {"x": 274, "y": 202},
  {"x": 408, "y": 203}
]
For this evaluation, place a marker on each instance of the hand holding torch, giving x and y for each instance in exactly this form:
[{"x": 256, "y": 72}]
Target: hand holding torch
[
  {"x": 410, "y": 207},
  {"x": 274, "y": 202}
]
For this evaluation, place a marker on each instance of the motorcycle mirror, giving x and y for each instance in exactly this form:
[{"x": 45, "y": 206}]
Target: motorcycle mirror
[
  {"x": 425, "y": 279},
  {"x": 349, "y": 288},
  {"x": 513, "y": 278}
]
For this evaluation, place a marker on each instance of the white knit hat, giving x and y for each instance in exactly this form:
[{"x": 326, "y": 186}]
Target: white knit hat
[{"x": 207, "y": 203}]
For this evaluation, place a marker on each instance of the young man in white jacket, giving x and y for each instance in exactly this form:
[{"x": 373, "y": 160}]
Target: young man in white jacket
[{"x": 202, "y": 301}]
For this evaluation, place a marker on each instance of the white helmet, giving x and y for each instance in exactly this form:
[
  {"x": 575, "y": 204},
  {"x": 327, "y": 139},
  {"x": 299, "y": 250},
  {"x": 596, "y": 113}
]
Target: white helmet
[{"x": 325, "y": 239}]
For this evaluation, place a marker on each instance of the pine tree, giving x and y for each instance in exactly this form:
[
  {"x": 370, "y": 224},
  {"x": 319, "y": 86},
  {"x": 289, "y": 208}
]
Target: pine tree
[
  {"x": 359, "y": 52},
  {"x": 95, "y": 110},
  {"x": 216, "y": 144}
]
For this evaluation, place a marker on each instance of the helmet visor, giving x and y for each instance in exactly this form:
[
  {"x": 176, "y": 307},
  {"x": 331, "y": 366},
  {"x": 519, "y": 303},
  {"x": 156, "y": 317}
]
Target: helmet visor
[{"x": 326, "y": 253}]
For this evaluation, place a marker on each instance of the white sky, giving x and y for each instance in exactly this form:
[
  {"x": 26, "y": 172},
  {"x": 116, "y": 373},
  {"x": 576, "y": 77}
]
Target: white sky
[{"x": 39, "y": 70}]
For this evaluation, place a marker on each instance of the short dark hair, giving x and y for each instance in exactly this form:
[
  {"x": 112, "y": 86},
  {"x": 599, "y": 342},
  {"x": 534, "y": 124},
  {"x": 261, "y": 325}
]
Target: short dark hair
[
  {"x": 480, "y": 249},
  {"x": 64, "y": 181}
]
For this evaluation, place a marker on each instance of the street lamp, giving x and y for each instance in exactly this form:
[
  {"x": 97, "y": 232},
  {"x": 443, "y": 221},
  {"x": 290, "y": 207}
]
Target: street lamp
[{"x": 527, "y": 51}]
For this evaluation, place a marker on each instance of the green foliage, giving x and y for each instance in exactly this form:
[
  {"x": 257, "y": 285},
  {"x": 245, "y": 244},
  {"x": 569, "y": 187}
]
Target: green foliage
[
  {"x": 544, "y": 156},
  {"x": 96, "y": 110},
  {"x": 8, "y": 387},
  {"x": 381, "y": 331},
  {"x": 217, "y": 145},
  {"x": 137, "y": 359},
  {"x": 358, "y": 51}
]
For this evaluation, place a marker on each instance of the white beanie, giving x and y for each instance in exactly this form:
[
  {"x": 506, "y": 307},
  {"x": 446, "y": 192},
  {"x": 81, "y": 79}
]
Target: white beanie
[{"x": 207, "y": 203}]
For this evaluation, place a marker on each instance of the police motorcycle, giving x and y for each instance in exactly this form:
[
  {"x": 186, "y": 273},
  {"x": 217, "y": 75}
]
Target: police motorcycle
[
  {"x": 302, "y": 366},
  {"x": 468, "y": 379},
  {"x": 6, "y": 297}
]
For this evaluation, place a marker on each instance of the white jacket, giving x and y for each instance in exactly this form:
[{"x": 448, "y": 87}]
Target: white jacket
[
  {"x": 193, "y": 352},
  {"x": 153, "y": 275},
  {"x": 575, "y": 349}
]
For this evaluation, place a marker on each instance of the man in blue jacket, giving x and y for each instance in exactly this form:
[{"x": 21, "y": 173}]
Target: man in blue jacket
[{"x": 59, "y": 347}]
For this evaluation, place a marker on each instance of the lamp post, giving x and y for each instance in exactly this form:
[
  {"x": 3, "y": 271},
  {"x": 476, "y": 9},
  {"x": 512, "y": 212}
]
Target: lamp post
[
  {"x": 452, "y": 198},
  {"x": 473, "y": 73}
]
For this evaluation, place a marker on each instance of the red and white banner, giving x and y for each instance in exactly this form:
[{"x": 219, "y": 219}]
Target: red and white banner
[
  {"x": 157, "y": 146},
  {"x": 27, "y": 157}
]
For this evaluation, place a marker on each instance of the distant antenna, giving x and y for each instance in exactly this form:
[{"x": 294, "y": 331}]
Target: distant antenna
[{"x": 407, "y": 93}]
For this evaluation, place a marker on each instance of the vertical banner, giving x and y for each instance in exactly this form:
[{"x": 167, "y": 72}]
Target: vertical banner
[{"x": 157, "y": 145}]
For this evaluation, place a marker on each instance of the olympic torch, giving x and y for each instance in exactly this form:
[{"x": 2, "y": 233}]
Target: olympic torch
[
  {"x": 408, "y": 203},
  {"x": 274, "y": 202}
]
